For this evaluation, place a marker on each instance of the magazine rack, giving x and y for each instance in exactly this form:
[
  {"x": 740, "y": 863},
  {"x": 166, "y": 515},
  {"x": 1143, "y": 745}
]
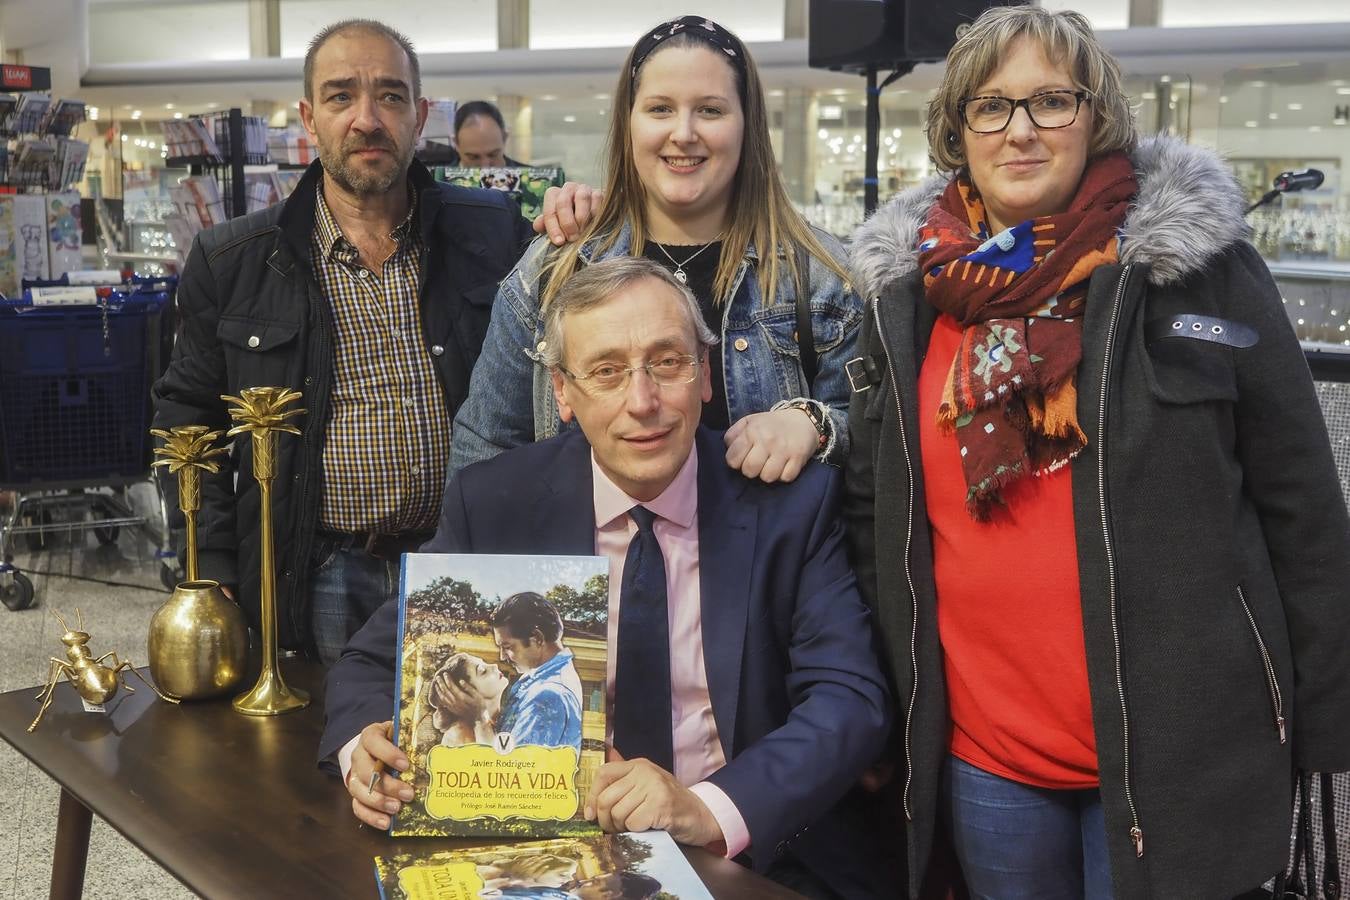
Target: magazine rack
[
  {"x": 36, "y": 150},
  {"x": 225, "y": 161}
]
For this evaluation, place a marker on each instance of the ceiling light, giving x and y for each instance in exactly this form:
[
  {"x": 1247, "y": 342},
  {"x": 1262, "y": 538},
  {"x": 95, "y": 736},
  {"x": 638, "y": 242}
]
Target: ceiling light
[
  {"x": 1250, "y": 123},
  {"x": 822, "y": 134},
  {"x": 1273, "y": 116},
  {"x": 569, "y": 119},
  {"x": 1256, "y": 84},
  {"x": 548, "y": 97},
  {"x": 600, "y": 97},
  {"x": 1165, "y": 79},
  {"x": 1343, "y": 91},
  {"x": 1149, "y": 95},
  {"x": 168, "y": 106},
  {"x": 178, "y": 115},
  {"x": 1295, "y": 106},
  {"x": 1223, "y": 99}
]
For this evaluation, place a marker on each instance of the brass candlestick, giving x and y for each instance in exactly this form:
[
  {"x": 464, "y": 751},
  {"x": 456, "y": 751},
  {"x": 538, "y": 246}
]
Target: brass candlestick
[
  {"x": 260, "y": 412},
  {"x": 187, "y": 451},
  {"x": 198, "y": 641}
]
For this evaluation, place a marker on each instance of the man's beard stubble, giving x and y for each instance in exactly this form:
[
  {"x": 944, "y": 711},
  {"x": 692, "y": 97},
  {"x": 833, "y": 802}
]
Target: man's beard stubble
[{"x": 366, "y": 183}]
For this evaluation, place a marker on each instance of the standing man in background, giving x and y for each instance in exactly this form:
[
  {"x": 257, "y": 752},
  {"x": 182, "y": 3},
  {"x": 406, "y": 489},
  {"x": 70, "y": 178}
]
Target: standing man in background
[
  {"x": 368, "y": 290},
  {"x": 480, "y": 136}
]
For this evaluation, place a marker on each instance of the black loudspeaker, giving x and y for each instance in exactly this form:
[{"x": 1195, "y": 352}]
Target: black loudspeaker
[{"x": 851, "y": 35}]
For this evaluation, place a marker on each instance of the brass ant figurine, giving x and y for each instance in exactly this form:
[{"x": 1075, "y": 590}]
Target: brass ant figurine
[{"x": 93, "y": 681}]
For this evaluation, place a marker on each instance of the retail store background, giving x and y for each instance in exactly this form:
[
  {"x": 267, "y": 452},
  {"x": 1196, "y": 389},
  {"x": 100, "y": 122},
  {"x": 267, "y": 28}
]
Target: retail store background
[{"x": 1266, "y": 84}]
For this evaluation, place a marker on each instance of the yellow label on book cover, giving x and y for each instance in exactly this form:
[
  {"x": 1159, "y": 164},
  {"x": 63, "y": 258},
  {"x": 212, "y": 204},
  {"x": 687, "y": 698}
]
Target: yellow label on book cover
[
  {"x": 449, "y": 881},
  {"x": 474, "y": 781}
]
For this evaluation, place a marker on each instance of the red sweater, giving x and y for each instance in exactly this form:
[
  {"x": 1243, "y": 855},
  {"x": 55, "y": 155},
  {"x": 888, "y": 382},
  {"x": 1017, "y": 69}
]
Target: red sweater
[{"x": 1009, "y": 613}]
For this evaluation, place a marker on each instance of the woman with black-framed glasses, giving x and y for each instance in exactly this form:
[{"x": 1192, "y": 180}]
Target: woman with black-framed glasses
[
  {"x": 1046, "y": 109},
  {"x": 1090, "y": 495}
]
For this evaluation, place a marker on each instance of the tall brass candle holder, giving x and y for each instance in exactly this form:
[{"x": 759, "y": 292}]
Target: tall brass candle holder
[
  {"x": 260, "y": 411},
  {"x": 188, "y": 452},
  {"x": 198, "y": 641}
]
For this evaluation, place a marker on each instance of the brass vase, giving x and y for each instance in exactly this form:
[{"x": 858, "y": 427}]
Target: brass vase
[
  {"x": 198, "y": 642},
  {"x": 261, "y": 413}
]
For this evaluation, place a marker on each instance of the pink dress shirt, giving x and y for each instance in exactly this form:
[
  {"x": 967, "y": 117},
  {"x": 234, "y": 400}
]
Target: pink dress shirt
[{"x": 698, "y": 752}]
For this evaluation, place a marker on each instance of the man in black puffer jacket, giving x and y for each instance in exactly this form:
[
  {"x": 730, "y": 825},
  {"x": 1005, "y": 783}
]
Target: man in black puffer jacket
[{"x": 368, "y": 290}]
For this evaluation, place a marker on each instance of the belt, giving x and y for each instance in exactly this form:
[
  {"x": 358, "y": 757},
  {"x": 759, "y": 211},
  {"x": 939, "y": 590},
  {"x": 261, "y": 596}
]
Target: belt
[{"x": 380, "y": 546}]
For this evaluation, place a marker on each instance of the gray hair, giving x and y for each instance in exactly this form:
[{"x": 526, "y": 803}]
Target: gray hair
[
  {"x": 370, "y": 26},
  {"x": 1067, "y": 38},
  {"x": 598, "y": 282}
]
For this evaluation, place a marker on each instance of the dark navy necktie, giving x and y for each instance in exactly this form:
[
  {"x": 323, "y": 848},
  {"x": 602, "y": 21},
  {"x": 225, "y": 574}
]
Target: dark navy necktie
[{"x": 642, "y": 667}]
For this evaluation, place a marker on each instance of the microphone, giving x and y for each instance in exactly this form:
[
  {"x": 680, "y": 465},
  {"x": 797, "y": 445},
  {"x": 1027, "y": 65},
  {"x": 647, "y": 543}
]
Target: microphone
[{"x": 1305, "y": 180}]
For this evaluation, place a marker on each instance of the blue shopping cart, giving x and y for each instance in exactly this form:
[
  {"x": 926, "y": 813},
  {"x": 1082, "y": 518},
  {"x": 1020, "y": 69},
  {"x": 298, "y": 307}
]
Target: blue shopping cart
[{"x": 76, "y": 366}]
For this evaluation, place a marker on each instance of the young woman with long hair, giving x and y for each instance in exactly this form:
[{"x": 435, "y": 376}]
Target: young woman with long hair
[{"x": 692, "y": 184}]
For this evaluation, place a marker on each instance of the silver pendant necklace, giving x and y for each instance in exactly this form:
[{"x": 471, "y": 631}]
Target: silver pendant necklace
[{"x": 680, "y": 274}]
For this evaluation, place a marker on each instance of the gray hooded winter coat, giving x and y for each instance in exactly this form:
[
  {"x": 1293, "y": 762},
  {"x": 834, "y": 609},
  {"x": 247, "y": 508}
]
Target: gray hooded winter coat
[{"x": 1213, "y": 542}]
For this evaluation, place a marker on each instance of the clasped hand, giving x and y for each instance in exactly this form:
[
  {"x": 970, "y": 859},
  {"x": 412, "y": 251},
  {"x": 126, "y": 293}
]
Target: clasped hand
[
  {"x": 567, "y": 211},
  {"x": 374, "y": 753},
  {"x": 638, "y": 795},
  {"x": 772, "y": 446}
]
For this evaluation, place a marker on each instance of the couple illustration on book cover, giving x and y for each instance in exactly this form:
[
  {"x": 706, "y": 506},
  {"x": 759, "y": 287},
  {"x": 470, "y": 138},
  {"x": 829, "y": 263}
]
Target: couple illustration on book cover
[{"x": 473, "y": 701}]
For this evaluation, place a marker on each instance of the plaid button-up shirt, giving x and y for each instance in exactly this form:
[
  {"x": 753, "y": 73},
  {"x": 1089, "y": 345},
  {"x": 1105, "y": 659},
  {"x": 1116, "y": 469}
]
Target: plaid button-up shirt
[{"x": 388, "y": 441}]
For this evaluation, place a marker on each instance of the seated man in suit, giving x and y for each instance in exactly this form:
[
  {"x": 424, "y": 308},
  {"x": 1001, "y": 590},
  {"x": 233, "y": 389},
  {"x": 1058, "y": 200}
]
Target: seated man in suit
[{"x": 744, "y": 690}]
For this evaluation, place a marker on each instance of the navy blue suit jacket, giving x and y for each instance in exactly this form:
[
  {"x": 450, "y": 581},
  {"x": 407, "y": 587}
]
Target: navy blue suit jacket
[{"x": 799, "y": 699}]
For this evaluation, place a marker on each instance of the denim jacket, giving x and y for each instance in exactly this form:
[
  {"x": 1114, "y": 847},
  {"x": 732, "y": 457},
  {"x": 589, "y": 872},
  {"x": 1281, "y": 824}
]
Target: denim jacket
[{"x": 758, "y": 345}]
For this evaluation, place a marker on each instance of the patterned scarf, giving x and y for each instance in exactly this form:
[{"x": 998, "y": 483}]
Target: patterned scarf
[{"x": 1010, "y": 397}]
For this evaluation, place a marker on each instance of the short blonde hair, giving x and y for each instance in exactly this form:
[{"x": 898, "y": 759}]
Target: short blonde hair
[
  {"x": 1066, "y": 37},
  {"x": 602, "y": 280}
]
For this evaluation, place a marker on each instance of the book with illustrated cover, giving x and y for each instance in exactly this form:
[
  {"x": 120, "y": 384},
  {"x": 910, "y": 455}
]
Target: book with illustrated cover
[
  {"x": 526, "y": 184},
  {"x": 500, "y": 694},
  {"x": 10, "y": 286},
  {"x": 646, "y": 866},
  {"x": 30, "y": 237},
  {"x": 63, "y": 232}
]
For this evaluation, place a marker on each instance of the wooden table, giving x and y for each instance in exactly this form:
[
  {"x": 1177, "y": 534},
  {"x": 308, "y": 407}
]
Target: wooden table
[{"x": 232, "y": 806}]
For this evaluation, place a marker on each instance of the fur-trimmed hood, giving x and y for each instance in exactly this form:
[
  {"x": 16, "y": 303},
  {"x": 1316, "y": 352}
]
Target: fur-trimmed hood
[{"x": 1188, "y": 210}]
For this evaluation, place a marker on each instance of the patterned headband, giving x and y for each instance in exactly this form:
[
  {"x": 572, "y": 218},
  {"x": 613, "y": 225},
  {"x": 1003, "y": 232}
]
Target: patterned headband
[{"x": 705, "y": 30}]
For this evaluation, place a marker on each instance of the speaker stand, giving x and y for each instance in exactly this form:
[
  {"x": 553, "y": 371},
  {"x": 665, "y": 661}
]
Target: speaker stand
[{"x": 873, "y": 130}]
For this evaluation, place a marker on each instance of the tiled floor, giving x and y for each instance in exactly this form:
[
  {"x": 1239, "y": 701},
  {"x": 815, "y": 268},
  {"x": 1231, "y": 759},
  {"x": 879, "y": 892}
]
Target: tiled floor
[{"x": 118, "y": 619}]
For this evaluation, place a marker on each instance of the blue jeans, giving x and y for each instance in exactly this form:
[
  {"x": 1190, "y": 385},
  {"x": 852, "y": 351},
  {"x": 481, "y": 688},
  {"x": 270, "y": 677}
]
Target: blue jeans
[
  {"x": 346, "y": 586},
  {"x": 1018, "y": 841}
]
